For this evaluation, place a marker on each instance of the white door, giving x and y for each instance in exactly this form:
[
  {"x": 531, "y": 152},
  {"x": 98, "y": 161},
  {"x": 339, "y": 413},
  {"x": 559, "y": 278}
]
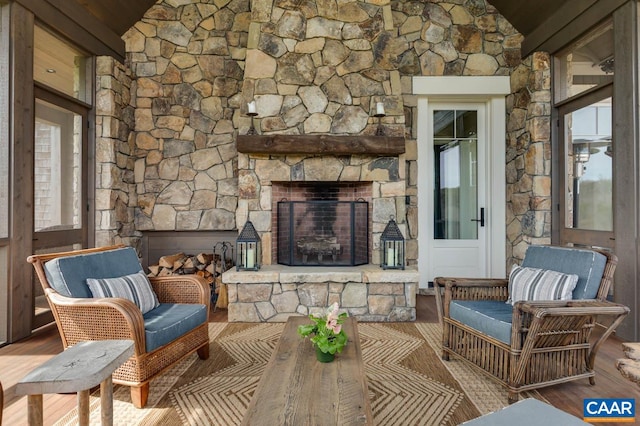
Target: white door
[
  {"x": 461, "y": 176},
  {"x": 456, "y": 156}
]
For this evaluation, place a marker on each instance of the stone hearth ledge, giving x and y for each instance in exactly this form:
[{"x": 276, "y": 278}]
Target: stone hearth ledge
[{"x": 276, "y": 292}]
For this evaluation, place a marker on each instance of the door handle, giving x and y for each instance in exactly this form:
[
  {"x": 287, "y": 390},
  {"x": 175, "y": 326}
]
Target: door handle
[{"x": 481, "y": 220}]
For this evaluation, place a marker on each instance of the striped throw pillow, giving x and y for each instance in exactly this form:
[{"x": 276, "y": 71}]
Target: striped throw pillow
[
  {"x": 135, "y": 287},
  {"x": 540, "y": 284}
]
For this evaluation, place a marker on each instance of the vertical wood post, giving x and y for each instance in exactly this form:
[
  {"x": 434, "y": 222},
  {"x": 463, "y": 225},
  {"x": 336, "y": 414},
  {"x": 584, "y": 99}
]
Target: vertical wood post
[
  {"x": 21, "y": 164},
  {"x": 106, "y": 402},
  {"x": 34, "y": 407}
]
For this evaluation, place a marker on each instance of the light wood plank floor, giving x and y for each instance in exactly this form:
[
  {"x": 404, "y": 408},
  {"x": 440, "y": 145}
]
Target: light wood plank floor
[{"x": 18, "y": 359}]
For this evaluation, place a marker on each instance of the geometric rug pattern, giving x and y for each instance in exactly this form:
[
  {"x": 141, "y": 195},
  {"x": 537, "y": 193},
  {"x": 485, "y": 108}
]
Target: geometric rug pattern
[
  {"x": 222, "y": 398},
  {"x": 408, "y": 382},
  {"x": 425, "y": 401}
]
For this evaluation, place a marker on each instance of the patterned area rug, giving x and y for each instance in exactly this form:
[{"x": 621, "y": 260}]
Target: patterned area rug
[{"x": 408, "y": 382}]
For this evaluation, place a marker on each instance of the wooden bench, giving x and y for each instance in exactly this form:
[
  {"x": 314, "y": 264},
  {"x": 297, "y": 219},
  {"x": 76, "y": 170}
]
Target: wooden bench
[
  {"x": 297, "y": 389},
  {"x": 77, "y": 369}
]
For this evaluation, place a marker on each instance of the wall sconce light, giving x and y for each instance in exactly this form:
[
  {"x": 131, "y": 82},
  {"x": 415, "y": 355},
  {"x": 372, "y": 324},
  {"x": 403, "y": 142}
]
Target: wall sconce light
[
  {"x": 251, "y": 112},
  {"x": 248, "y": 249},
  {"x": 392, "y": 247},
  {"x": 379, "y": 114}
]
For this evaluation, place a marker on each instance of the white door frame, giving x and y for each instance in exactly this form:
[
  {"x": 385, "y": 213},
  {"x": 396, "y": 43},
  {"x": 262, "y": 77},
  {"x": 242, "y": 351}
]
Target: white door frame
[{"x": 491, "y": 91}]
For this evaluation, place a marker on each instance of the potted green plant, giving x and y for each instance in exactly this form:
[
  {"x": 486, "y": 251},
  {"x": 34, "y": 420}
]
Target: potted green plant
[{"x": 326, "y": 333}]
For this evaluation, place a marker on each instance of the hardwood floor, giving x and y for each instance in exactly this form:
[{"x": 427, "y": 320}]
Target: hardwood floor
[{"x": 18, "y": 359}]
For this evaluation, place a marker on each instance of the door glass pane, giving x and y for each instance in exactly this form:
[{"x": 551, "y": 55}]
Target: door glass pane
[
  {"x": 57, "y": 180},
  {"x": 455, "y": 174},
  {"x": 589, "y": 167}
]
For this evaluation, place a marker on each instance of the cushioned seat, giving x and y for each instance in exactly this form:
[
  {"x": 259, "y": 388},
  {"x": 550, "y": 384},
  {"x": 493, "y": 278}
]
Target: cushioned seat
[
  {"x": 490, "y": 317},
  {"x": 174, "y": 325},
  {"x": 493, "y": 318},
  {"x": 536, "y": 342},
  {"x": 169, "y": 321}
]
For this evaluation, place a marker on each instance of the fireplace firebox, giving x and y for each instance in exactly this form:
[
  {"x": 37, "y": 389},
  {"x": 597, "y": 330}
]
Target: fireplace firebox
[{"x": 323, "y": 233}]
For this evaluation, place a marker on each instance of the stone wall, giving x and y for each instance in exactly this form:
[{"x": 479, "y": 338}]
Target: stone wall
[
  {"x": 115, "y": 191},
  {"x": 321, "y": 67},
  {"x": 528, "y": 157},
  {"x": 312, "y": 67},
  {"x": 188, "y": 60}
]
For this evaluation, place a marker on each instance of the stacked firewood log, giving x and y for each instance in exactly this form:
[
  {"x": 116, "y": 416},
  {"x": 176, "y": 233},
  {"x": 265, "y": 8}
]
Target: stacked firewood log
[
  {"x": 202, "y": 265},
  {"x": 206, "y": 265}
]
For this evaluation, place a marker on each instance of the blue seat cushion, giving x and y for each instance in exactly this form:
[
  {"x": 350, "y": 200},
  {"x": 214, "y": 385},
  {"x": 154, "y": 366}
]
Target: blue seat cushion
[
  {"x": 68, "y": 275},
  {"x": 586, "y": 264},
  {"x": 490, "y": 317},
  {"x": 169, "y": 321}
]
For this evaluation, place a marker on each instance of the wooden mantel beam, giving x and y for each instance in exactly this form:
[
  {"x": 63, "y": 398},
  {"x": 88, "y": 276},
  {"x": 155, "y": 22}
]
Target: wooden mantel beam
[{"x": 320, "y": 144}]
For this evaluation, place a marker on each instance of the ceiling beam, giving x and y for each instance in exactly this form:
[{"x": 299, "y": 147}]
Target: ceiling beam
[
  {"x": 78, "y": 25},
  {"x": 570, "y": 21},
  {"x": 128, "y": 12}
]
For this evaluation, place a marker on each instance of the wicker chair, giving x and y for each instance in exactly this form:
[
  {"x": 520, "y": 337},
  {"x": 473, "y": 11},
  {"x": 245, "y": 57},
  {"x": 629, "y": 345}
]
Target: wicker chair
[
  {"x": 85, "y": 318},
  {"x": 549, "y": 341}
]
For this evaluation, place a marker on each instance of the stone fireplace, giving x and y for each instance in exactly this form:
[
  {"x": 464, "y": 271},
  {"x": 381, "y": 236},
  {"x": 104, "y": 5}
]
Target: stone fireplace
[
  {"x": 276, "y": 292},
  {"x": 266, "y": 180}
]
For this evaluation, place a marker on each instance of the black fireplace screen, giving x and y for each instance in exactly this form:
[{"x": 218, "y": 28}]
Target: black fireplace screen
[{"x": 323, "y": 232}]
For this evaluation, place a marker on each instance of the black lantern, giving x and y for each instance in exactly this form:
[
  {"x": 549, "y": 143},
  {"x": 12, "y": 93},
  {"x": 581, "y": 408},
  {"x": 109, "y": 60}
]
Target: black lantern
[
  {"x": 248, "y": 249},
  {"x": 392, "y": 247}
]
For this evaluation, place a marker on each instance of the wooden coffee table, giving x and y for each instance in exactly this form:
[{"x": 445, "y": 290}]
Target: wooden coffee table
[{"x": 297, "y": 389}]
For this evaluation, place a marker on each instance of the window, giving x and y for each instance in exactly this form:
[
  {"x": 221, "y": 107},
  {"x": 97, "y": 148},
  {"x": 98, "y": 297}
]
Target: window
[
  {"x": 58, "y": 168},
  {"x": 588, "y": 63},
  {"x": 583, "y": 98},
  {"x": 589, "y": 167}
]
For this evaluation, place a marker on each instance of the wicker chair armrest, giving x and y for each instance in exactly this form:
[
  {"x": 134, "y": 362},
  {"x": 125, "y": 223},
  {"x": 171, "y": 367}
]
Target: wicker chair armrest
[
  {"x": 182, "y": 289},
  {"x": 531, "y": 319},
  {"x": 109, "y": 318},
  {"x": 571, "y": 308},
  {"x": 468, "y": 289},
  {"x": 474, "y": 288}
]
